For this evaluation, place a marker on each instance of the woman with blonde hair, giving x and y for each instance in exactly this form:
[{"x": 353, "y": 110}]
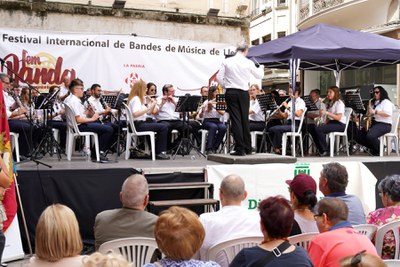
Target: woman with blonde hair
[
  {"x": 179, "y": 235},
  {"x": 58, "y": 242},
  {"x": 142, "y": 111},
  {"x": 336, "y": 120}
]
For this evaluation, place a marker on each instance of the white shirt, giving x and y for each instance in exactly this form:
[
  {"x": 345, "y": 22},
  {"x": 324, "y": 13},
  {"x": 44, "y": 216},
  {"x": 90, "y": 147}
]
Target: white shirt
[
  {"x": 298, "y": 104},
  {"x": 96, "y": 104},
  {"x": 228, "y": 223},
  {"x": 337, "y": 108},
  {"x": 76, "y": 105},
  {"x": 167, "y": 111},
  {"x": 63, "y": 91},
  {"x": 387, "y": 107},
  {"x": 237, "y": 71},
  {"x": 9, "y": 101},
  {"x": 136, "y": 106},
  {"x": 213, "y": 113},
  {"x": 258, "y": 114}
]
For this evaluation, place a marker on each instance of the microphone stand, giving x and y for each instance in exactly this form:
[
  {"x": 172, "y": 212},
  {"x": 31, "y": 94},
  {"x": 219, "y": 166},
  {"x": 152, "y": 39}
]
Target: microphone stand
[{"x": 30, "y": 88}]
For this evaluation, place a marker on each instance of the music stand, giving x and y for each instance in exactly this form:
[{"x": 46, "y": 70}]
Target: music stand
[
  {"x": 267, "y": 103},
  {"x": 311, "y": 106},
  {"x": 355, "y": 102},
  {"x": 187, "y": 104}
]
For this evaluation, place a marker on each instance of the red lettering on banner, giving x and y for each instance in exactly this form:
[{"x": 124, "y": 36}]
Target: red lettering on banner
[{"x": 36, "y": 71}]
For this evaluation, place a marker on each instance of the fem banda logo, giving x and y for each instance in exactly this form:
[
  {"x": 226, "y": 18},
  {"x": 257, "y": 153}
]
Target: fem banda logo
[{"x": 40, "y": 69}]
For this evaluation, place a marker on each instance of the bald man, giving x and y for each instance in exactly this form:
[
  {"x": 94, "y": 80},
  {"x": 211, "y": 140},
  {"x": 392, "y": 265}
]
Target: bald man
[
  {"x": 233, "y": 220},
  {"x": 129, "y": 221}
]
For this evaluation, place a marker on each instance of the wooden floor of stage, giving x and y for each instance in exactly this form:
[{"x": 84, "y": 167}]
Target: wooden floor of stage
[{"x": 188, "y": 163}]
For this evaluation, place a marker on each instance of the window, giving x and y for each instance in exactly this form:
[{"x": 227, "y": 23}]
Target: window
[
  {"x": 255, "y": 42},
  {"x": 266, "y": 38},
  {"x": 281, "y": 3},
  {"x": 281, "y": 34}
]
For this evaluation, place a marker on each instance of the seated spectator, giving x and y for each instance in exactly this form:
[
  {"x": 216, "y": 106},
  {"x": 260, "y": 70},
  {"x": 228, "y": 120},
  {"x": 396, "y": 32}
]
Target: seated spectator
[
  {"x": 233, "y": 220},
  {"x": 179, "y": 235},
  {"x": 389, "y": 190},
  {"x": 277, "y": 218},
  {"x": 105, "y": 260},
  {"x": 337, "y": 238},
  {"x": 303, "y": 198},
  {"x": 57, "y": 242},
  {"x": 362, "y": 259},
  {"x": 333, "y": 182},
  {"x": 129, "y": 221}
]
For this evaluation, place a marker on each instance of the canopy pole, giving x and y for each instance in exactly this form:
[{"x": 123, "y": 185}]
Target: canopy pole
[
  {"x": 294, "y": 64},
  {"x": 337, "y": 73}
]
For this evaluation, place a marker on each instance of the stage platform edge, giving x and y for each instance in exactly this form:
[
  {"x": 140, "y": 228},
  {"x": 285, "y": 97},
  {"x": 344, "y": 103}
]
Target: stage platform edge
[{"x": 260, "y": 158}]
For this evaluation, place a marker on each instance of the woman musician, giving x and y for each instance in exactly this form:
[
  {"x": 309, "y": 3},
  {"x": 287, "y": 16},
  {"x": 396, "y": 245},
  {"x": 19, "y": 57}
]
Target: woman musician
[
  {"x": 380, "y": 110},
  {"x": 256, "y": 115},
  {"x": 336, "y": 121},
  {"x": 212, "y": 121},
  {"x": 141, "y": 111},
  {"x": 276, "y": 132}
]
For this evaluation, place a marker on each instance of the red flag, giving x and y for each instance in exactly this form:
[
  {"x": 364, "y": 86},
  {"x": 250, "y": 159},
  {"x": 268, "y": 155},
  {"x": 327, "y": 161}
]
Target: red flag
[
  {"x": 213, "y": 82},
  {"x": 9, "y": 201}
]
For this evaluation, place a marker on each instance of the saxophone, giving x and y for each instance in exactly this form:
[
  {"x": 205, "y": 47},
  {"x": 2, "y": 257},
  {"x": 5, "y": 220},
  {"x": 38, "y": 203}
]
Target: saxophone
[{"x": 368, "y": 118}]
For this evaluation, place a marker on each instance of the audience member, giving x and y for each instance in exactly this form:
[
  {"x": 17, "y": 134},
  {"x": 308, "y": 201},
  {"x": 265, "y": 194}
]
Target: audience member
[
  {"x": 105, "y": 260},
  {"x": 389, "y": 190},
  {"x": 233, "y": 220},
  {"x": 362, "y": 259},
  {"x": 333, "y": 181},
  {"x": 179, "y": 235},
  {"x": 337, "y": 238},
  {"x": 277, "y": 218},
  {"x": 57, "y": 242},
  {"x": 303, "y": 189},
  {"x": 129, "y": 221}
]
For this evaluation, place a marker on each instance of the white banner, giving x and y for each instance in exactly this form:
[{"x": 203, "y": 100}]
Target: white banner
[
  {"x": 264, "y": 180},
  {"x": 114, "y": 61}
]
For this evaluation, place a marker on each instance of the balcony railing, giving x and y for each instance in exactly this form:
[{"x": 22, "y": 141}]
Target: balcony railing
[{"x": 317, "y": 6}]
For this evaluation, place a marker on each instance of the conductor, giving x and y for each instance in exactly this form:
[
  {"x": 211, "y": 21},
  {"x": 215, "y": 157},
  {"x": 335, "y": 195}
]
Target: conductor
[{"x": 235, "y": 74}]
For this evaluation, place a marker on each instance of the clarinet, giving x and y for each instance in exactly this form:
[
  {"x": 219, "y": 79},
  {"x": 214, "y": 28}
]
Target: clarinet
[
  {"x": 18, "y": 101},
  {"x": 105, "y": 106},
  {"x": 90, "y": 107}
]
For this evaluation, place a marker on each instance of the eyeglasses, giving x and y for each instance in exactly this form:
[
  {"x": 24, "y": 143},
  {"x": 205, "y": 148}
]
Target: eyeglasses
[
  {"x": 317, "y": 215},
  {"x": 377, "y": 92},
  {"x": 357, "y": 258}
]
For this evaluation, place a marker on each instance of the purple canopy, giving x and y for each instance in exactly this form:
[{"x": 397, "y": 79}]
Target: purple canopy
[{"x": 325, "y": 47}]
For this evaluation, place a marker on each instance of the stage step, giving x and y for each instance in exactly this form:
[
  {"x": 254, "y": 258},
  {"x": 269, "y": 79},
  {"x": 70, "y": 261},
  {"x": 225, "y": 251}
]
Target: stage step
[{"x": 184, "y": 202}]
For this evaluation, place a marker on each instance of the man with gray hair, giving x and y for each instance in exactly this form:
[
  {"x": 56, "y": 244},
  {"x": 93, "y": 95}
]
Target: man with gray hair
[
  {"x": 333, "y": 181},
  {"x": 235, "y": 75},
  {"x": 129, "y": 221},
  {"x": 233, "y": 220},
  {"x": 337, "y": 238}
]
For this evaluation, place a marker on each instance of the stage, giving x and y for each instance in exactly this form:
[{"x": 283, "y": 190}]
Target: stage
[{"x": 89, "y": 187}]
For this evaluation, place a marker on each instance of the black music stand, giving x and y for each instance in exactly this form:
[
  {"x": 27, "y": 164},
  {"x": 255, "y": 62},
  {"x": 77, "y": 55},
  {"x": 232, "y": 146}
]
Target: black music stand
[
  {"x": 185, "y": 105},
  {"x": 310, "y": 105},
  {"x": 221, "y": 105},
  {"x": 48, "y": 143},
  {"x": 355, "y": 102},
  {"x": 267, "y": 103}
]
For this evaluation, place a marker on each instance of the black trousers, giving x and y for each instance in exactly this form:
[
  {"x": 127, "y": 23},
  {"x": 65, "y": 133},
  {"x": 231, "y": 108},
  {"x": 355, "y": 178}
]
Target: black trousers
[
  {"x": 370, "y": 139},
  {"x": 238, "y": 105},
  {"x": 319, "y": 134},
  {"x": 22, "y": 127},
  {"x": 276, "y": 132},
  {"x": 161, "y": 136},
  {"x": 104, "y": 132}
]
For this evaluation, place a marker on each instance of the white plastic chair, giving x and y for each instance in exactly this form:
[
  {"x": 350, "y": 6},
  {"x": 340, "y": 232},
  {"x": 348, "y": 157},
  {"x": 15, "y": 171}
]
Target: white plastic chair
[
  {"x": 73, "y": 132},
  {"x": 368, "y": 230},
  {"x": 294, "y": 135},
  {"x": 133, "y": 134},
  {"x": 336, "y": 135},
  {"x": 302, "y": 240},
  {"x": 14, "y": 144},
  {"x": 392, "y": 134},
  {"x": 224, "y": 252},
  {"x": 392, "y": 263},
  {"x": 136, "y": 250},
  {"x": 380, "y": 234}
]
